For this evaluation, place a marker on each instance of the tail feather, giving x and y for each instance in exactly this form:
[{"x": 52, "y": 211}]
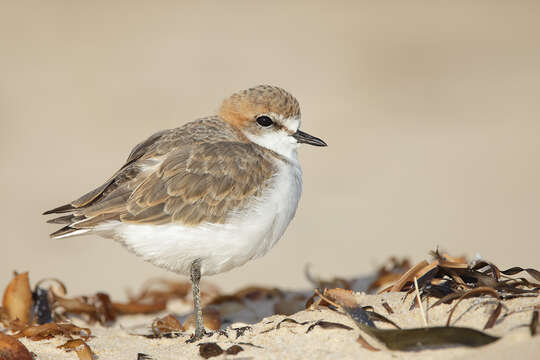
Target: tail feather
[
  {"x": 66, "y": 219},
  {"x": 67, "y": 231},
  {"x": 60, "y": 209}
]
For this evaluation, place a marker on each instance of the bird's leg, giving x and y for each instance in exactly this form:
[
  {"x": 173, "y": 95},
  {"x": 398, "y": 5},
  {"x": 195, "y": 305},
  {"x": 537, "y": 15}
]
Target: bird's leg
[{"x": 195, "y": 278}]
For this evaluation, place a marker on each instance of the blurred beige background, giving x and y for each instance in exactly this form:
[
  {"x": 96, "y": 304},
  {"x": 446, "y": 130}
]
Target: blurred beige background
[{"x": 430, "y": 109}]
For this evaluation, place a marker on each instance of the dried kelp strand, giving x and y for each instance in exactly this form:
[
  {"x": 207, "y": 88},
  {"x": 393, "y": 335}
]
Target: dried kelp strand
[
  {"x": 426, "y": 278},
  {"x": 365, "y": 344},
  {"x": 142, "y": 356},
  {"x": 250, "y": 344},
  {"x": 46, "y": 331},
  {"x": 327, "y": 325},
  {"x": 516, "y": 269},
  {"x": 136, "y": 307},
  {"x": 438, "y": 291},
  {"x": 475, "y": 292},
  {"x": 515, "y": 296},
  {"x": 166, "y": 325},
  {"x": 409, "y": 275},
  {"x": 290, "y": 320},
  {"x": 406, "y": 339},
  {"x": 234, "y": 349},
  {"x": 159, "y": 290},
  {"x": 104, "y": 308},
  {"x": 41, "y": 307},
  {"x": 59, "y": 283},
  {"x": 448, "y": 298},
  {"x": 387, "y": 308},
  {"x": 359, "y": 315},
  {"x": 13, "y": 349},
  {"x": 209, "y": 349},
  {"x": 378, "y": 317},
  {"x": 533, "y": 326},
  {"x": 241, "y": 330},
  {"x": 17, "y": 299},
  {"x": 171, "y": 335},
  {"x": 80, "y": 347},
  {"x": 494, "y": 316}
]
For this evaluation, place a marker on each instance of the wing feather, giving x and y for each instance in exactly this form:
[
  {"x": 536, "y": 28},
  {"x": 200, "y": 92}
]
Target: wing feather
[{"x": 189, "y": 175}]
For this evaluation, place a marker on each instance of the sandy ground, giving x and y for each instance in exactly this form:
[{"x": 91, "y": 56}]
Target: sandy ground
[
  {"x": 430, "y": 110},
  {"x": 292, "y": 341}
]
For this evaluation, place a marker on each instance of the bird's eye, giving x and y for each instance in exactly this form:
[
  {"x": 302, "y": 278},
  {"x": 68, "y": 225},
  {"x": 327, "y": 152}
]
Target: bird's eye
[{"x": 264, "y": 121}]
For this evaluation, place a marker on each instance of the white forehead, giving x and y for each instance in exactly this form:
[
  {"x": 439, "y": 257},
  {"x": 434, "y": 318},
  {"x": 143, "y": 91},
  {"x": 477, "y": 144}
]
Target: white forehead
[{"x": 291, "y": 123}]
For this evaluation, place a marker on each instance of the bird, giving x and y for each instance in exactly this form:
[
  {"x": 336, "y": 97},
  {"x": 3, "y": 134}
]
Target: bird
[{"x": 205, "y": 197}]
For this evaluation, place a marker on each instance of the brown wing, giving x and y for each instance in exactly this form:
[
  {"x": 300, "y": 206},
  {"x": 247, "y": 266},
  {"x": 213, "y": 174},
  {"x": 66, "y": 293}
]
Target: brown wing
[
  {"x": 200, "y": 183},
  {"x": 195, "y": 183}
]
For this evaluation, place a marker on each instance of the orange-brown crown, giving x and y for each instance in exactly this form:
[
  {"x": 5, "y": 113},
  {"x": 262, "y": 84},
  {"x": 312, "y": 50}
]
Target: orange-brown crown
[{"x": 245, "y": 105}]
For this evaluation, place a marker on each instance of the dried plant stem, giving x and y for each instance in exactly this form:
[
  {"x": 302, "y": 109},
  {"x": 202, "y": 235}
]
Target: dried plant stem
[
  {"x": 317, "y": 291},
  {"x": 420, "y": 302}
]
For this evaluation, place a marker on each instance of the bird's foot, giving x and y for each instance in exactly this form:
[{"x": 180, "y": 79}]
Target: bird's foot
[{"x": 198, "y": 335}]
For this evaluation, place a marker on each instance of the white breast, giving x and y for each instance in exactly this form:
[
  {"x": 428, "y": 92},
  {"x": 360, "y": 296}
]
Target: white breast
[{"x": 221, "y": 247}]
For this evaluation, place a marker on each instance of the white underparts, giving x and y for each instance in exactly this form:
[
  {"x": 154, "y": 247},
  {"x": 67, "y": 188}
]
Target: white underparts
[{"x": 220, "y": 247}]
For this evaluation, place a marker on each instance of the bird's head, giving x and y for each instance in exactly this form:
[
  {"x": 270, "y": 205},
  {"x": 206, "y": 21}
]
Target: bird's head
[{"x": 268, "y": 116}]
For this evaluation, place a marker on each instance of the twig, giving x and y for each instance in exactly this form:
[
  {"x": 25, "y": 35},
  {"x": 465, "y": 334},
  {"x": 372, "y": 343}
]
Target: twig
[
  {"x": 420, "y": 302},
  {"x": 326, "y": 299}
]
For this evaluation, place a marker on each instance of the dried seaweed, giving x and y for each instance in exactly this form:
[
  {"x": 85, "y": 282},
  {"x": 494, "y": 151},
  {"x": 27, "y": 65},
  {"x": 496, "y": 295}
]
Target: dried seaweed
[
  {"x": 494, "y": 316},
  {"x": 241, "y": 330},
  {"x": 80, "y": 347},
  {"x": 209, "y": 349},
  {"x": 159, "y": 291},
  {"x": 47, "y": 331},
  {"x": 290, "y": 320},
  {"x": 234, "y": 349},
  {"x": 13, "y": 349},
  {"x": 452, "y": 278},
  {"x": 327, "y": 325},
  {"x": 135, "y": 307},
  {"x": 516, "y": 270},
  {"x": 211, "y": 319},
  {"x": 365, "y": 344},
  {"x": 533, "y": 326},
  {"x": 142, "y": 356},
  {"x": 387, "y": 308},
  {"x": 409, "y": 275},
  {"x": 19, "y": 302},
  {"x": 41, "y": 306},
  {"x": 388, "y": 273},
  {"x": 166, "y": 325},
  {"x": 407, "y": 339},
  {"x": 17, "y": 299},
  {"x": 474, "y": 292}
]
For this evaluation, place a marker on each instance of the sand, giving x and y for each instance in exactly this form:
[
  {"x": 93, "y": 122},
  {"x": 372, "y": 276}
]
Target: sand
[{"x": 263, "y": 340}]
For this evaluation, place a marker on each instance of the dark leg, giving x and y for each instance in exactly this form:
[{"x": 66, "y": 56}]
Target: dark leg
[{"x": 195, "y": 278}]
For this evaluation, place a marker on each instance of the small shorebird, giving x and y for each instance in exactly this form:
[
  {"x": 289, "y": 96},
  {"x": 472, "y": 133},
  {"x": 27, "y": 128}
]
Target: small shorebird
[{"x": 206, "y": 197}]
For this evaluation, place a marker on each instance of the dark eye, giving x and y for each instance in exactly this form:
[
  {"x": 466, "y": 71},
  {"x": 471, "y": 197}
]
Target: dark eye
[{"x": 264, "y": 121}]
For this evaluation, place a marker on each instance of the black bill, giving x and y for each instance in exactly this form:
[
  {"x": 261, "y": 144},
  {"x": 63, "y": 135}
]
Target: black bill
[{"x": 305, "y": 138}]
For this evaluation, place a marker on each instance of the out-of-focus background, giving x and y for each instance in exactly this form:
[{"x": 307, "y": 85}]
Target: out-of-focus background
[{"x": 431, "y": 111}]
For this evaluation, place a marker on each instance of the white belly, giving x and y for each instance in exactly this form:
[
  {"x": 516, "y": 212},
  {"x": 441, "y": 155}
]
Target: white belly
[{"x": 220, "y": 247}]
